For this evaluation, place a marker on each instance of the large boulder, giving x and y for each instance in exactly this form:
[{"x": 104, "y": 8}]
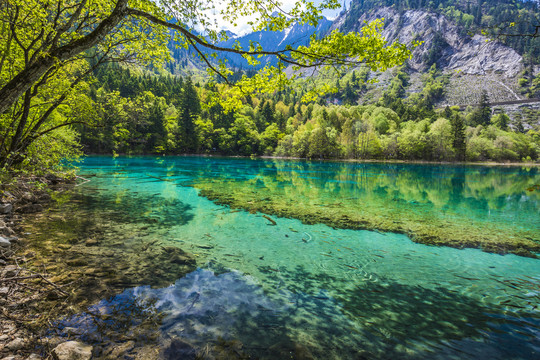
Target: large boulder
[{"x": 72, "y": 350}]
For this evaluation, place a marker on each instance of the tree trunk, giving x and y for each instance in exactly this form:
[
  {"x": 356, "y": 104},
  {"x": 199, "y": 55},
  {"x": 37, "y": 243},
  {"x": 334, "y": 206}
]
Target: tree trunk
[{"x": 10, "y": 92}]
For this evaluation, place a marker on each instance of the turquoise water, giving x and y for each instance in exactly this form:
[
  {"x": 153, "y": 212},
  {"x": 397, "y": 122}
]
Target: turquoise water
[{"x": 292, "y": 290}]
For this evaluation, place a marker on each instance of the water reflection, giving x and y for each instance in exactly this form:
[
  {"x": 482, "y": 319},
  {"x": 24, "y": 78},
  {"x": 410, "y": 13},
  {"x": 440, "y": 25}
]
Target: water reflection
[
  {"x": 204, "y": 311},
  {"x": 481, "y": 207},
  {"x": 290, "y": 290}
]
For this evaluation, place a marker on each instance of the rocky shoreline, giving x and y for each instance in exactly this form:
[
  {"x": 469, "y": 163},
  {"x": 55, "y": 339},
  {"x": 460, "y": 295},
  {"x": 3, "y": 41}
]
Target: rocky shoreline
[
  {"x": 21, "y": 288},
  {"x": 43, "y": 277}
]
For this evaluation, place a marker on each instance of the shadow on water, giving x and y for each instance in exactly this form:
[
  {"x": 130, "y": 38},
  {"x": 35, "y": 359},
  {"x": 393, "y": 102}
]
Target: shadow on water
[
  {"x": 204, "y": 314},
  {"x": 405, "y": 314}
]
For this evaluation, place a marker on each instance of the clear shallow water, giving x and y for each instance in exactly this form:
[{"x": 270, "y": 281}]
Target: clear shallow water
[{"x": 310, "y": 290}]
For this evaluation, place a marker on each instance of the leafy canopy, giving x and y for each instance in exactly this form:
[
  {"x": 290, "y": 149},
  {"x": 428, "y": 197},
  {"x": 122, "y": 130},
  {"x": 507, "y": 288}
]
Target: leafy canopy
[
  {"x": 40, "y": 35},
  {"x": 47, "y": 48}
]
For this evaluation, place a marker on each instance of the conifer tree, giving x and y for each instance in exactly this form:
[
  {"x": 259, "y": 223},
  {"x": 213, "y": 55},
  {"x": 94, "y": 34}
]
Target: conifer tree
[
  {"x": 458, "y": 137},
  {"x": 156, "y": 127},
  {"x": 191, "y": 108}
]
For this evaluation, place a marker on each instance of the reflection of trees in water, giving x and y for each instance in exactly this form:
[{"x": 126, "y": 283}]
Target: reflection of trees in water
[
  {"x": 478, "y": 187},
  {"x": 133, "y": 207},
  {"x": 477, "y": 206}
]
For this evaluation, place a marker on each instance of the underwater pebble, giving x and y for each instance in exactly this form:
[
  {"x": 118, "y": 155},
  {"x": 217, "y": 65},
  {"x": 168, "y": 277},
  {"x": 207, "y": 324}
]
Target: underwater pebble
[
  {"x": 16, "y": 344},
  {"x": 72, "y": 350}
]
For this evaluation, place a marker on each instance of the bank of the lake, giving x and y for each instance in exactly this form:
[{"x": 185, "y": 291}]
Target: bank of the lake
[{"x": 23, "y": 287}]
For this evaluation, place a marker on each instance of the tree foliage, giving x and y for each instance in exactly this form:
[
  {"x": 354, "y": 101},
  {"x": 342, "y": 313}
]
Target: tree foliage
[{"x": 48, "y": 47}]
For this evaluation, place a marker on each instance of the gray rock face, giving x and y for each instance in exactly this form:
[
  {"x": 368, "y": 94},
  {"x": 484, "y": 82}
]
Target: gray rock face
[
  {"x": 72, "y": 350},
  {"x": 462, "y": 53}
]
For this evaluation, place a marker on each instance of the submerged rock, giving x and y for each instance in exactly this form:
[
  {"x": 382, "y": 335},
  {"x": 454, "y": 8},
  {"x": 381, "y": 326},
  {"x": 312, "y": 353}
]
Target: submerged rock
[
  {"x": 119, "y": 351},
  {"x": 16, "y": 344},
  {"x": 30, "y": 208},
  {"x": 72, "y": 350},
  {"x": 179, "y": 349}
]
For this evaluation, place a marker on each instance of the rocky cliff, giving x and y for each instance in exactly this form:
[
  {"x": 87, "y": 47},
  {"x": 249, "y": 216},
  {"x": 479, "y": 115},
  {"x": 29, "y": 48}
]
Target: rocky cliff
[{"x": 444, "y": 42}]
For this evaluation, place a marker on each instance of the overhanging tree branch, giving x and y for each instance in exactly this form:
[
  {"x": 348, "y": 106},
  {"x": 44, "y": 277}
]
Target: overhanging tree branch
[{"x": 10, "y": 92}]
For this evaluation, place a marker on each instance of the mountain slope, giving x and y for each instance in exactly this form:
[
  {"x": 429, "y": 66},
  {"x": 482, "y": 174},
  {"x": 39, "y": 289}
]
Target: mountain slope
[
  {"x": 444, "y": 42},
  {"x": 471, "y": 62},
  {"x": 296, "y": 35}
]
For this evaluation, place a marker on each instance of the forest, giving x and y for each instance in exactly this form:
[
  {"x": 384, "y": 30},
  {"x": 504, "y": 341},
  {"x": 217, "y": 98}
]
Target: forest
[{"x": 139, "y": 113}]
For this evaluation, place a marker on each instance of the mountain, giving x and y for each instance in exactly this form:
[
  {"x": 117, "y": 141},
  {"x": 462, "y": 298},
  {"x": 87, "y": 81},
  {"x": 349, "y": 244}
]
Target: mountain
[
  {"x": 452, "y": 40},
  {"x": 443, "y": 44},
  {"x": 296, "y": 35},
  {"x": 451, "y": 32}
]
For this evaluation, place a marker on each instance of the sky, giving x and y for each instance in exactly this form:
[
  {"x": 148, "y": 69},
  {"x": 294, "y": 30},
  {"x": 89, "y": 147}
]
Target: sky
[{"x": 243, "y": 28}]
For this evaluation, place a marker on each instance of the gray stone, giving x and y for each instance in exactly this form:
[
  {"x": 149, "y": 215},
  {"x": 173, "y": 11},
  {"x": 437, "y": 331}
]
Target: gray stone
[
  {"x": 16, "y": 344},
  {"x": 6, "y": 208},
  {"x": 10, "y": 271},
  {"x": 34, "y": 357},
  {"x": 27, "y": 198},
  {"x": 4, "y": 243},
  {"x": 4, "y": 291},
  {"x": 72, "y": 350}
]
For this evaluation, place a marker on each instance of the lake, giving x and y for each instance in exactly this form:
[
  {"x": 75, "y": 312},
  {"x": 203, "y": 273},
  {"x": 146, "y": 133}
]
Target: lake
[{"x": 298, "y": 259}]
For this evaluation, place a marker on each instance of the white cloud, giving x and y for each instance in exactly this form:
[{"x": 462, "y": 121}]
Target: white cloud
[{"x": 242, "y": 22}]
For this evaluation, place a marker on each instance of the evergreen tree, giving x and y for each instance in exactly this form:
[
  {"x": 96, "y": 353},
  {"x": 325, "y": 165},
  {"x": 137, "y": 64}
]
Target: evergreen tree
[
  {"x": 349, "y": 96},
  {"x": 447, "y": 112},
  {"x": 292, "y": 110},
  {"x": 190, "y": 109},
  {"x": 482, "y": 114},
  {"x": 519, "y": 127},
  {"x": 267, "y": 117},
  {"x": 458, "y": 137},
  {"x": 156, "y": 128},
  {"x": 501, "y": 121}
]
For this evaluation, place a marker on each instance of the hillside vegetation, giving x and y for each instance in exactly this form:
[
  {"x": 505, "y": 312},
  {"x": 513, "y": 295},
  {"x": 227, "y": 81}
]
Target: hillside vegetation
[{"x": 170, "y": 115}]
